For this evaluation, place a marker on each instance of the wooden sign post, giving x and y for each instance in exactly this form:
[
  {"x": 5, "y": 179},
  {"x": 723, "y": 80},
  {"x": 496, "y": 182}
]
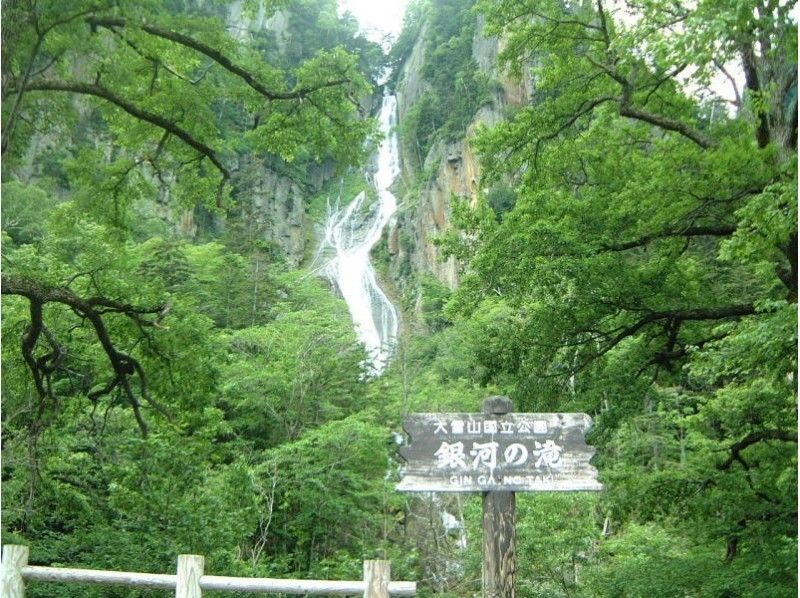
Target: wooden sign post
[
  {"x": 499, "y": 527},
  {"x": 498, "y": 453}
]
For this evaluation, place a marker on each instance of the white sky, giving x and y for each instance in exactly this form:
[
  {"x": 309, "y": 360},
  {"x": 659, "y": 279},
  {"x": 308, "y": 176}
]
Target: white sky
[{"x": 378, "y": 18}]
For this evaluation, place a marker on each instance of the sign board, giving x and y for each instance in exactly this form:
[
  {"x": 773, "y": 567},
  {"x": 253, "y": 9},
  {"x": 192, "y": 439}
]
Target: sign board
[{"x": 476, "y": 452}]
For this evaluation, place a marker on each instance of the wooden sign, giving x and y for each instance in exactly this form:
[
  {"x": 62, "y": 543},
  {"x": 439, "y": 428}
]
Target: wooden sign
[
  {"x": 497, "y": 452},
  {"x": 478, "y": 452}
]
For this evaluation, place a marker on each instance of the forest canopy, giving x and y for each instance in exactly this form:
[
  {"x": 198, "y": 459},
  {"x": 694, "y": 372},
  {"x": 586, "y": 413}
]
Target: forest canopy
[{"x": 654, "y": 277}]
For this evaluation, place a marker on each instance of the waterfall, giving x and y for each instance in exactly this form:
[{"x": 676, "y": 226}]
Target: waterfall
[{"x": 350, "y": 234}]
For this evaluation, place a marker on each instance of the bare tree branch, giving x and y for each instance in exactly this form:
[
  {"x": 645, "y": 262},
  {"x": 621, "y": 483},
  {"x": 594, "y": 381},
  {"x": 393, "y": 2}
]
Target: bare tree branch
[
  {"x": 92, "y": 309},
  {"x": 737, "y": 101},
  {"x": 614, "y": 337},
  {"x": 41, "y": 34},
  {"x": 626, "y": 108}
]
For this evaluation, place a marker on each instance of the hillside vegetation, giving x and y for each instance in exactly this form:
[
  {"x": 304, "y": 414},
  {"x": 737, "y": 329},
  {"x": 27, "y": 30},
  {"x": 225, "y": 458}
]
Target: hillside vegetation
[{"x": 172, "y": 384}]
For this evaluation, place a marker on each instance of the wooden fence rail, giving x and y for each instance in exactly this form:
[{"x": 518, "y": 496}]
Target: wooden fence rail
[{"x": 190, "y": 581}]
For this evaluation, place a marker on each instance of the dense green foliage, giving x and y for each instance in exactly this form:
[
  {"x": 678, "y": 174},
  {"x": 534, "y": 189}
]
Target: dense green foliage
[
  {"x": 644, "y": 270},
  {"x": 163, "y": 396},
  {"x": 181, "y": 98},
  {"x": 633, "y": 255}
]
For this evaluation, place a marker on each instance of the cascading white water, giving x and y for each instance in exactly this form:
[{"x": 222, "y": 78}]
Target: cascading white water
[{"x": 350, "y": 234}]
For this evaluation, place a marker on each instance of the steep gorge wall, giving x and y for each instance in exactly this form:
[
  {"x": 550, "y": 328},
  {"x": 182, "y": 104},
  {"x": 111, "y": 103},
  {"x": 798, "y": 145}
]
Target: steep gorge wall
[
  {"x": 450, "y": 167},
  {"x": 265, "y": 190},
  {"x": 275, "y": 201}
]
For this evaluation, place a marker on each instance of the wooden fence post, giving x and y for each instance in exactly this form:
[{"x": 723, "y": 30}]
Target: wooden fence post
[
  {"x": 190, "y": 570},
  {"x": 377, "y": 575},
  {"x": 12, "y": 585}
]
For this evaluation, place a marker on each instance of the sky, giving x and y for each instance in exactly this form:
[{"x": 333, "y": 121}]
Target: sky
[{"x": 378, "y": 18}]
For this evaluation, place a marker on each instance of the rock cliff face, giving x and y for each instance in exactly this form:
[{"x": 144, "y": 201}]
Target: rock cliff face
[
  {"x": 275, "y": 201},
  {"x": 449, "y": 168}
]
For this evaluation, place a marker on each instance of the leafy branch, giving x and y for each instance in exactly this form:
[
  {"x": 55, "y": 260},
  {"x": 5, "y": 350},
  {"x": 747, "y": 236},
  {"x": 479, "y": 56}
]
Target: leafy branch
[
  {"x": 114, "y": 23},
  {"x": 672, "y": 319},
  {"x": 97, "y": 90},
  {"x": 722, "y": 230}
]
